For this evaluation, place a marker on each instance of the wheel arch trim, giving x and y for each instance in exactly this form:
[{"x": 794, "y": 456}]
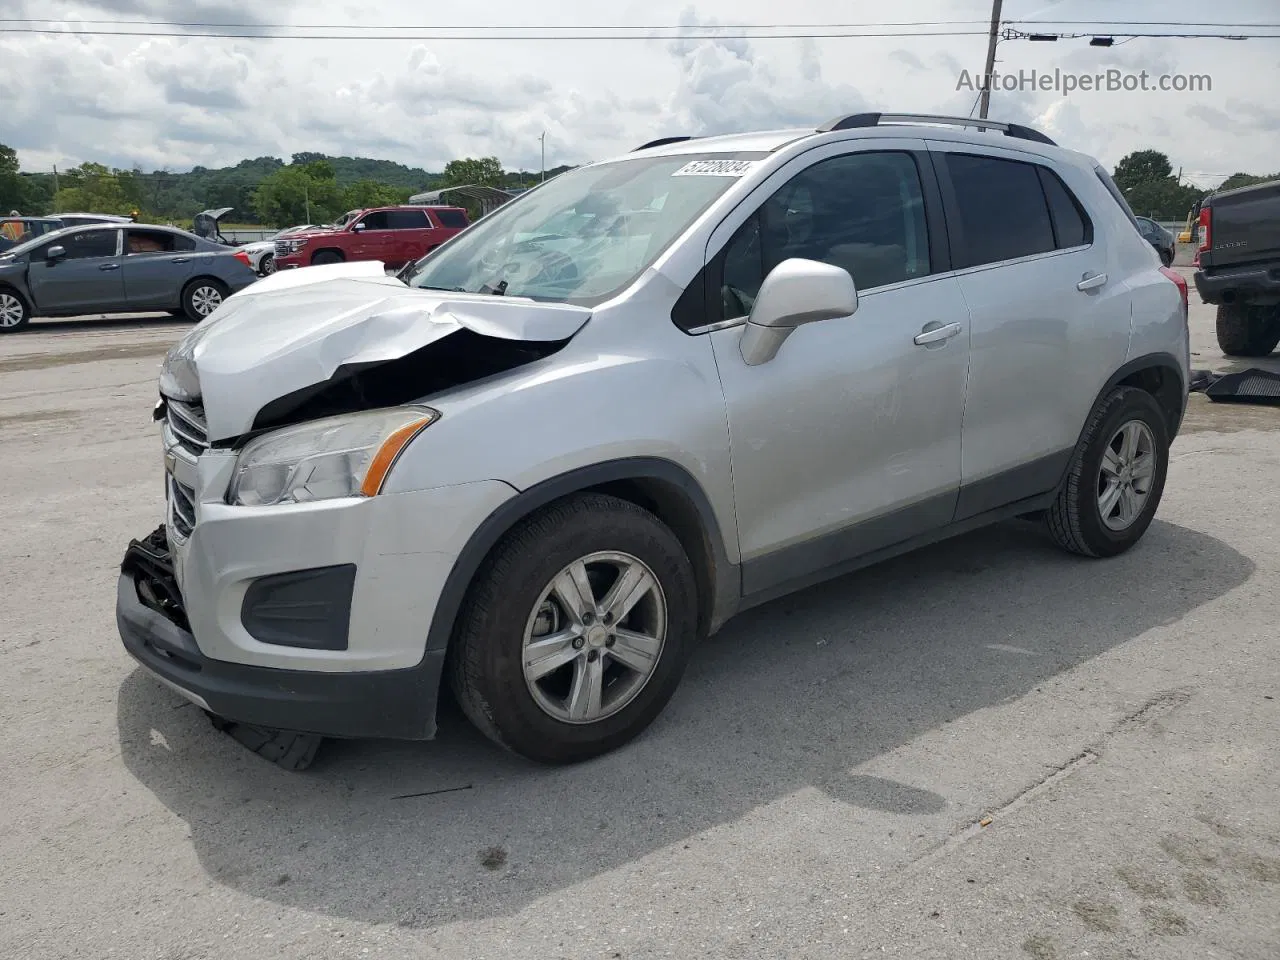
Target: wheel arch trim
[{"x": 724, "y": 576}]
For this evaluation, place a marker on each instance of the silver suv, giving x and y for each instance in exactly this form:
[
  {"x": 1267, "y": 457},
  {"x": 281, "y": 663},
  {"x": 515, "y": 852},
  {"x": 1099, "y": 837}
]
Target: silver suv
[{"x": 542, "y": 462}]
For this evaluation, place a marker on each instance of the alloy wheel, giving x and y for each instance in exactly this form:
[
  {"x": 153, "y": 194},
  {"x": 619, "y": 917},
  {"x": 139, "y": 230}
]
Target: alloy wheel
[
  {"x": 594, "y": 637},
  {"x": 11, "y": 310},
  {"x": 1125, "y": 475}
]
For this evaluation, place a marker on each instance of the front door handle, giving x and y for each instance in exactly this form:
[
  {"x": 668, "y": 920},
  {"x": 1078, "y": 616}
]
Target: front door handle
[
  {"x": 109, "y": 266},
  {"x": 1092, "y": 281},
  {"x": 181, "y": 259},
  {"x": 935, "y": 332}
]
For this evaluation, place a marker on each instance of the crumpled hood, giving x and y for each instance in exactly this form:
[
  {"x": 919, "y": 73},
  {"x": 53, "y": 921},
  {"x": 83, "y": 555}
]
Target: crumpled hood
[{"x": 297, "y": 328}]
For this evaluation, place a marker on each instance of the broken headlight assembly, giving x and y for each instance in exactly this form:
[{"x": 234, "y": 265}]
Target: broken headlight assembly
[{"x": 346, "y": 456}]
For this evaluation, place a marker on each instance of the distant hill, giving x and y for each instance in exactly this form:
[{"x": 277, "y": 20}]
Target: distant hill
[{"x": 179, "y": 196}]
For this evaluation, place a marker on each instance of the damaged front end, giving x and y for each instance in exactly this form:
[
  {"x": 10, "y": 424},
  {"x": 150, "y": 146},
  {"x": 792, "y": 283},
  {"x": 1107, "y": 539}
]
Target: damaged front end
[{"x": 345, "y": 338}]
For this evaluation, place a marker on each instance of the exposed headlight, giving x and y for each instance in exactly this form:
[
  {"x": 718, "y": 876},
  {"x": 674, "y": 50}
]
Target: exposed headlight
[{"x": 347, "y": 456}]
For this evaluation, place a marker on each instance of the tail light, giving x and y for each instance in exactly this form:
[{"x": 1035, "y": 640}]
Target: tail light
[
  {"x": 1180, "y": 283},
  {"x": 1206, "y": 220},
  {"x": 243, "y": 258}
]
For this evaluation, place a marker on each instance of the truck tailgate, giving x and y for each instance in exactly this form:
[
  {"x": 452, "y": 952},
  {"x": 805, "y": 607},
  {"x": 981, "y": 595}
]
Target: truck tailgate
[{"x": 1245, "y": 226}]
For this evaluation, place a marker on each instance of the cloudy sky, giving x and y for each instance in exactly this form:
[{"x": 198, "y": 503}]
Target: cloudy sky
[{"x": 175, "y": 102}]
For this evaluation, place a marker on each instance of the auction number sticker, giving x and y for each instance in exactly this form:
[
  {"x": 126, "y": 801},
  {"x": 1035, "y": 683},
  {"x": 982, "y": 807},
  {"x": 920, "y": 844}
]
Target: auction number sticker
[{"x": 715, "y": 168}]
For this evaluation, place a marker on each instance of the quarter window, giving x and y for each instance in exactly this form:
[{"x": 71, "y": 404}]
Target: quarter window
[
  {"x": 863, "y": 212},
  {"x": 1071, "y": 226},
  {"x": 451, "y": 218}
]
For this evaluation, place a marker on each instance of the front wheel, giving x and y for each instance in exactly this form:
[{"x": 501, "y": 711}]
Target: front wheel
[
  {"x": 576, "y": 630},
  {"x": 14, "y": 311},
  {"x": 1115, "y": 479},
  {"x": 326, "y": 256},
  {"x": 202, "y": 297},
  {"x": 267, "y": 266}
]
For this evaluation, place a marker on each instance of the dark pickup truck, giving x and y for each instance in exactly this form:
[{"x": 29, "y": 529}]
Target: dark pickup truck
[{"x": 1240, "y": 267}]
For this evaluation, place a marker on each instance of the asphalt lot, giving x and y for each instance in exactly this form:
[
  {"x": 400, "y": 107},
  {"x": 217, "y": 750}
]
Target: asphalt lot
[{"x": 816, "y": 788}]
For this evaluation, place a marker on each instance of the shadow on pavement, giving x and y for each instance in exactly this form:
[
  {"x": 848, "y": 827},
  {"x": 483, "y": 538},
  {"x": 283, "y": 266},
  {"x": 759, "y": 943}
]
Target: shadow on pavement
[{"x": 792, "y": 695}]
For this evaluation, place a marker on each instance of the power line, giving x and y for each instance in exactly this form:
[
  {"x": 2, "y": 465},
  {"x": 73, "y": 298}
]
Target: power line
[{"x": 827, "y": 35}]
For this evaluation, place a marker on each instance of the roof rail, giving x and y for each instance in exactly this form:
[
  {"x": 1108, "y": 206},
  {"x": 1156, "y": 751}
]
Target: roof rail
[
  {"x": 855, "y": 120},
  {"x": 662, "y": 142}
]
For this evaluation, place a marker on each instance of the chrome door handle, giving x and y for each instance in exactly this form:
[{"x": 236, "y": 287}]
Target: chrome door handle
[
  {"x": 936, "y": 334},
  {"x": 1092, "y": 282},
  {"x": 109, "y": 266},
  {"x": 181, "y": 259}
]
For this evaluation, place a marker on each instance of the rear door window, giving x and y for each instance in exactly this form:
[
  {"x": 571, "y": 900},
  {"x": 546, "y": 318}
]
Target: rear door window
[
  {"x": 1002, "y": 209},
  {"x": 407, "y": 220}
]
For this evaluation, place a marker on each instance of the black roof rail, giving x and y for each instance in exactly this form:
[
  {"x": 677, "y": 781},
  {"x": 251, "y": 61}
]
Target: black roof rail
[
  {"x": 856, "y": 120},
  {"x": 662, "y": 142}
]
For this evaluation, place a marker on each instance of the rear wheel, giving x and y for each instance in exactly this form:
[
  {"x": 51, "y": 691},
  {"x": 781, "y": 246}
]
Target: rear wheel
[
  {"x": 1245, "y": 331},
  {"x": 14, "y": 311},
  {"x": 1166, "y": 257},
  {"x": 576, "y": 631},
  {"x": 201, "y": 297},
  {"x": 1115, "y": 479},
  {"x": 326, "y": 256}
]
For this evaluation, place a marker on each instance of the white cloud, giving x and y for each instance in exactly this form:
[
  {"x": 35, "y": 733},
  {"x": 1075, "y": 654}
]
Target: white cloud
[{"x": 173, "y": 103}]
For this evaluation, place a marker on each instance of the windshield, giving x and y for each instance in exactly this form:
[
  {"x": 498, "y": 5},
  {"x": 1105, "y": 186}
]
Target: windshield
[{"x": 585, "y": 235}]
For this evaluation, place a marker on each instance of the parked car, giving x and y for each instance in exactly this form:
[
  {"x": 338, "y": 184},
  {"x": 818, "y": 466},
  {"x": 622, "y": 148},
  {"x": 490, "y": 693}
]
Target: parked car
[
  {"x": 737, "y": 366},
  {"x": 113, "y": 269},
  {"x": 262, "y": 253},
  {"x": 1158, "y": 237},
  {"x": 16, "y": 230},
  {"x": 89, "y": 219},
  {"x": 394, "y": 236},
  {"x": 1238, "y": 263}
]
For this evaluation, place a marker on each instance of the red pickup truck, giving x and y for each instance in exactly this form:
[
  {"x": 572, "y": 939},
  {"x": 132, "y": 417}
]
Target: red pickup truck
[{"x": 394, "y": 235}]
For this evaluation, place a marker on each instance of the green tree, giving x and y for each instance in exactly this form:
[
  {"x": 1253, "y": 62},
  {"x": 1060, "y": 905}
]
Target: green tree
[
  {"x": 1245, "y": 180},
  {"x": 14, "y": 193},
  {"x": 296, "y": 195},
  {"x": 485, "y": 171},
  {"x": 1142, "y": 166},
  {"x": 94, "y": 188},
  {"x": 371, "y": 193}
]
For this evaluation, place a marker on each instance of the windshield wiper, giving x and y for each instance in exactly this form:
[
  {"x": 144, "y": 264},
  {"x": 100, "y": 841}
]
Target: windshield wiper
[{"x": 497, "y": 291}]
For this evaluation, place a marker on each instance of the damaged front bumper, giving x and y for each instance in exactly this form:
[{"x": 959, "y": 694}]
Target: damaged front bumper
[{"x": 152, "y": 620}]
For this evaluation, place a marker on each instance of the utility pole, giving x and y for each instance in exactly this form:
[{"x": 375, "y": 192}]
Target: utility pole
[
  {"x": 55, "y": 188},
  {"x": 543, "y": 138},
  {"x": 992, "y": 39},
  {"x": 306, "y": 199}
]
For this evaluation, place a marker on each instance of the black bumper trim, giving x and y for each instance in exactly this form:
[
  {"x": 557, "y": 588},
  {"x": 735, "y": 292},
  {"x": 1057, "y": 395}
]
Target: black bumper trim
[
  {"x": 1239, "y": 282},
  {"x": 384, "y": 704}
]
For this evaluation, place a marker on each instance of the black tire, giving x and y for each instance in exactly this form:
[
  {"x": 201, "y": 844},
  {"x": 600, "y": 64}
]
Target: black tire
[
  {"x": 1166, "y": 257},
  {"x": 284, "y": 748},
  {"x": 1075, "y": 519},
  {"x": 1245, "y": 331},
  {"x": 486, "y": 660},
  {"x": 15, "y": 312},
  {"x": 327, "y": 256},
  {"x": 267, "y": 265},
  {"x": 195, "y": 297}
]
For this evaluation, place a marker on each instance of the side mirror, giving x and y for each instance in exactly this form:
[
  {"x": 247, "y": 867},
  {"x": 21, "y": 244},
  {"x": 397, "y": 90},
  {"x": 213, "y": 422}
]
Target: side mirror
[
  {"x": 359, "y": 227},
  {"x": 55, "y": 253},
  {"x": 794, "y": 293}
]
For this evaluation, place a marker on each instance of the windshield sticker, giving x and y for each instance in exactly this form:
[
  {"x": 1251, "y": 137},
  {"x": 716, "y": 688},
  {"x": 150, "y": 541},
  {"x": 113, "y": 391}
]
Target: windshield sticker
[{"x": 715, "y": 168}]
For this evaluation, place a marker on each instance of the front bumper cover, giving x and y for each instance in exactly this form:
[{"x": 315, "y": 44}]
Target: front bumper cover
[{"x": 151, "y": 618}]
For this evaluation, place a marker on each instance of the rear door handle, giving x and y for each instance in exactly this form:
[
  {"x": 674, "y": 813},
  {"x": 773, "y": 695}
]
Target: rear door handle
[
  {"x": 1092, "y": 282},
  {"x": 181, "y": 259},
  {"x": 109, "y": 266},
  {"x": 935, "y": 332}
]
